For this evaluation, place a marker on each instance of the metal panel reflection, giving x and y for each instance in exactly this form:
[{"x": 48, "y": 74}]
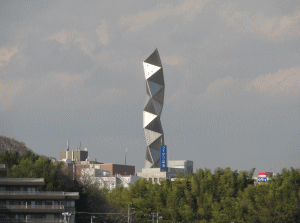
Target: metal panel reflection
[{"x": 155, "y": 86}]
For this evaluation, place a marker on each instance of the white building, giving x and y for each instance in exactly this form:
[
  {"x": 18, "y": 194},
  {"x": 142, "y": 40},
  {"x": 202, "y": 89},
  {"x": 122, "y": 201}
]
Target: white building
[
  {"x": 263, "y": 177},
  {"x": 175, "y": 167},
  {"x": 185, "y": 165},
  {"x": 103, "y": 179},
  {"x": 112, "y": 182}
]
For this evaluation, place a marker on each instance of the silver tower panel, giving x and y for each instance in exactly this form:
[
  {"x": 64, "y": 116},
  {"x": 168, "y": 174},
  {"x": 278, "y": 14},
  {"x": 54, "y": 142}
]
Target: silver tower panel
[{"x": 155, "y": 86}]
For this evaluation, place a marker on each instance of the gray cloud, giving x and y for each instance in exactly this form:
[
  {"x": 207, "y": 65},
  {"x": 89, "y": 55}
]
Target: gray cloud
[{"x": 73, "y": 70}]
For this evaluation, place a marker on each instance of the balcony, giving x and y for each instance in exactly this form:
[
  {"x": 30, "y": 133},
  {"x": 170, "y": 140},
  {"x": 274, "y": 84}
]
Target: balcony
[
  {"x": 22, "y": 181},
  {"x": 32, "y": 208},
  {"x": 37, "y": 195},
  {"x": 29, "y": 220}
]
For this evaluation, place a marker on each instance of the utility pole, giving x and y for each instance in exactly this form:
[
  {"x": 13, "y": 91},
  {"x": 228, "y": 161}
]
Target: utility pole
[
  {"x": 125, "y": 155},
  {"x": 129, "y": 213}
]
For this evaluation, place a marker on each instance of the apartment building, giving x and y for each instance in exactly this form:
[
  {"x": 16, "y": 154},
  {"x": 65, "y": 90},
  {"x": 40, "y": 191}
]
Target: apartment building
[{"x": 21, "y": 201}]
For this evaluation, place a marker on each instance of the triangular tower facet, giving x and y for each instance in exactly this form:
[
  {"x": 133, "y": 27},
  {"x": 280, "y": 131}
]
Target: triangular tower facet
[
  {"x": 156, "y": 144},
  {"x": 155, "y": 126},
  {"x": 155, "y": 154},
  {"x": 154, "y": 59},
  {"x": 154, "y": 88},
  {"x": 147, "y": 118},
  {"x": 160, "y": 96},
  {"x": 150, "y": 69},
  {"x": 157, "y": 77},
  {"x": 158, "y": 107},
  {"x": 151, "y": 136},
  {"x": 150, "y": 107}
]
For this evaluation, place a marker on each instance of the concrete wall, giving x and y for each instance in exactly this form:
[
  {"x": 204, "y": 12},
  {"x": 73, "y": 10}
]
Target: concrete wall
[
  {"x": 74, "y": 155},
  {"x": 114, "y": 169},
  {"x": 118, "y": 169}
]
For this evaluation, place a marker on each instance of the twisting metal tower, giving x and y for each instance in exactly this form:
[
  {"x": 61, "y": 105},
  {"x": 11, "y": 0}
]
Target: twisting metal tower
[{"x": 155, "y": 86}]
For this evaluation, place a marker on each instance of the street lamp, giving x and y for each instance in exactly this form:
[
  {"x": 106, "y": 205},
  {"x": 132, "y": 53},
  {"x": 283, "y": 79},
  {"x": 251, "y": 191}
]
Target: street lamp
[
  {"x": 92, "y": 218},
  {"x": 66, "y": 216}
]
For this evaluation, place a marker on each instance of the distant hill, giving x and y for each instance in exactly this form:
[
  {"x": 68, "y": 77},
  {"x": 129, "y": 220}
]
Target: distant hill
[{"x": 12, "y": 145}]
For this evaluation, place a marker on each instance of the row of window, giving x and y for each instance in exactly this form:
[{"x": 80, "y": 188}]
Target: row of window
[
  {"x": 70, "y": 204},
  {"x": 16, "y": 189},
  {"x": 31, "y": 216},
  {"x": 155, "y": 179}
]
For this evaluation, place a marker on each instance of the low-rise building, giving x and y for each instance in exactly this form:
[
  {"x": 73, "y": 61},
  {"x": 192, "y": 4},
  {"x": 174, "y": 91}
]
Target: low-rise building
[
  {"x": 21, "y": 201},
  {"x": 185, "y": 165},
  {"x": 104, "y": 180},
  {"x": 112, "y": 182},
  {"x": 263, "y": 177},
  {"x": 114, "y": 169},
  {"x": 156, "y": 175}
]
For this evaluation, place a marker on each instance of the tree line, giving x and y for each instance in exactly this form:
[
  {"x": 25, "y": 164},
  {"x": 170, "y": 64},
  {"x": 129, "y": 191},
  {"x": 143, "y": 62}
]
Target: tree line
[{"x": 220, "y": 196}]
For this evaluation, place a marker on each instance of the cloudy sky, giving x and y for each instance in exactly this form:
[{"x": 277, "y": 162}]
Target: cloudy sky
[{"x": 72, "y": 70}]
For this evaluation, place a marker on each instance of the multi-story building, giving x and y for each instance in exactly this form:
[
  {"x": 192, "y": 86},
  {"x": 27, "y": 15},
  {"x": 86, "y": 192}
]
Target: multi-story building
[{"x": 21, "y": 201}]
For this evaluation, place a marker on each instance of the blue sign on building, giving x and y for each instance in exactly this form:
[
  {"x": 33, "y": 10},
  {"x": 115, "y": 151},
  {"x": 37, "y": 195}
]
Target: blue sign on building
[
  {"x": 163, "y": 157},
  {"x": 261, "y": 179}
]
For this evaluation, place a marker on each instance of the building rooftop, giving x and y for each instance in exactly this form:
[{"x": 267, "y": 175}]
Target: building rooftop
[{"x": 22, "y": 181}]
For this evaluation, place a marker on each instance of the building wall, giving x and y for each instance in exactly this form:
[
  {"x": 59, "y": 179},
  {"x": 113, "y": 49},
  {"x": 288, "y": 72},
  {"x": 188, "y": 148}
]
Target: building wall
[
  {"x": 79, "y": 167},
  {"x": 114, "y": 169},
  {"x": 20, "y": 198},
  {"x": 187, "y": 165},
  {"x": 119, "y": 169},
  {"x": 74, "y": 155},
  {"x": 112, "y": 182},
  {"x": 174, "y": 168}
]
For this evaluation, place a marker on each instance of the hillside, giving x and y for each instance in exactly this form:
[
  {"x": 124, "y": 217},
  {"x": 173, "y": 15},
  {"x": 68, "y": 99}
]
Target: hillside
[{"x": 12, "y": 145}]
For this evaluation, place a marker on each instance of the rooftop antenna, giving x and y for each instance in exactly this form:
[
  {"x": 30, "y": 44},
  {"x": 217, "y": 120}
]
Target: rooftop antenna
[
  {"x": 125, "y": 155},
  {"x": 79, "y": 145},
  {"x": 68, "y": 146}
]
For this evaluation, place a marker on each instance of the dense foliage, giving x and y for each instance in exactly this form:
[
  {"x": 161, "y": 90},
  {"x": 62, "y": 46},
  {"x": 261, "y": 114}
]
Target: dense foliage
[
  {"x": 57, "y": 178},
  {"x": 205, "y": 196},
  {"x": 222, "y": 196}
]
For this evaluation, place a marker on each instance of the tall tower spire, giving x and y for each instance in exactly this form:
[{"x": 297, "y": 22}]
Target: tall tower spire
[{"x": 155, "y": 86}]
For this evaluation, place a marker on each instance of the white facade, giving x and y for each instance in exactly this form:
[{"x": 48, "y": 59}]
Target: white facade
[
  {"x": 112, "y": 182},
  {"x": 156, "y": 175},
  {"x": 93, "y": 172},
  {"x": 101, "y": 177},
  {"x": 186, "y": 165}
]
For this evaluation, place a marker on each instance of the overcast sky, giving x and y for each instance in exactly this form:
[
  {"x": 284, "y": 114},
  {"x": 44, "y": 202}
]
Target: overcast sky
[{"x": 72, "y": 70}]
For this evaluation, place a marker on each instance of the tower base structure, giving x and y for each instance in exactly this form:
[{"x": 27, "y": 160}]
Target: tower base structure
[{"x": 156, "y": 175}]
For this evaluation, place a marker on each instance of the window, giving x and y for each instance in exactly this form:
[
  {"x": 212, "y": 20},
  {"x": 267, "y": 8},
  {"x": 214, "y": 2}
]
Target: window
[
  {"x": 49, "y": 216},
  {"x": 155, "y": 180},
  {"x": 48, "y": 203}
]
